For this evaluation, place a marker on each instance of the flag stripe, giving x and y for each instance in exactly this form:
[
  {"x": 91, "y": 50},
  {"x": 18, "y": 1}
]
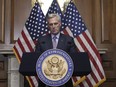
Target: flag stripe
[
  {"x": 74, "y": 79},
  {"x": 92, "y": 45},
  {"x": 89, "y": 36},
  {"x": 87, "y": 83},
  {"x": 99, "y": 68},
  {"x": 21, "y": 46},
  {"x": 27, "y": 42},
  {"x": 95, "y": 77},
  {"x": 31, "y": 81},
  {"x": 29, "y": 38},
  {"x": 65, "y": 32},
  {"x": 90, "y": 56},
  {"x": 22, "y": 39},
  {"x": 80, "y": 85},
  {"x": 35, "y": 82},
  {"x": 69, "y": 32}
]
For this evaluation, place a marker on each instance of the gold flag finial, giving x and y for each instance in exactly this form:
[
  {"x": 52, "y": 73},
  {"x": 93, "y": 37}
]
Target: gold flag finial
[{"x": 33, "y": 2}]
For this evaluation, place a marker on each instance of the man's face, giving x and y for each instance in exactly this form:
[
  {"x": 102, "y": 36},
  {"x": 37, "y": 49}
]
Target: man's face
[{"x": 54, "y": 25}]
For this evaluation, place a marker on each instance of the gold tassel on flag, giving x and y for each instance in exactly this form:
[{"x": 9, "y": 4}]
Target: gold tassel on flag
[{"x": 79, "y": 81}]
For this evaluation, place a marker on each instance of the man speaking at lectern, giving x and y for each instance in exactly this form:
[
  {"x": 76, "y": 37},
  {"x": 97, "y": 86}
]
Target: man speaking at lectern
[{"x": 55, "y": 40}]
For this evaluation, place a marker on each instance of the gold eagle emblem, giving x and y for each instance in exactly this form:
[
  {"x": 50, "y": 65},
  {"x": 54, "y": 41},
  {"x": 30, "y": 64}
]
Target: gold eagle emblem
[{"x": 55, "y": 68}]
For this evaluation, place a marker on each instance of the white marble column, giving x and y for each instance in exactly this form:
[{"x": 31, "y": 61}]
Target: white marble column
[{"x": 14, "y": 77}]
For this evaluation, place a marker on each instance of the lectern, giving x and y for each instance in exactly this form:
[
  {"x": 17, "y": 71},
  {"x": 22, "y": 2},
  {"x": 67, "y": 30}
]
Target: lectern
[{"x": 80, "y": 59}]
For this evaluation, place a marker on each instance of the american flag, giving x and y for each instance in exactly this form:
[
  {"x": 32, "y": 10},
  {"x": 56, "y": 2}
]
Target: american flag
[
  {"x": 35, "y": 26},
  {"x": 55, "y": 8},
  {"x": 83, "y": 40}
]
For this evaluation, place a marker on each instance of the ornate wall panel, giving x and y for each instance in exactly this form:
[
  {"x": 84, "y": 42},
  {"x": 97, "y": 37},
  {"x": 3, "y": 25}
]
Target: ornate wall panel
[
  {"x": 108, "y": 8},
  {"x": 105, "y": 37}
]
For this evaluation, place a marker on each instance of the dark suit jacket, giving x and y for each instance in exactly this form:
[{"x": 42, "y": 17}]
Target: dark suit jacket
[{"x": 65, "y": 43}]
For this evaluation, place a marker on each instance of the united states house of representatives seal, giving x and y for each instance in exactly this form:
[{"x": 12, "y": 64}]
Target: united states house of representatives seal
[{"x": 54, "y": 67}]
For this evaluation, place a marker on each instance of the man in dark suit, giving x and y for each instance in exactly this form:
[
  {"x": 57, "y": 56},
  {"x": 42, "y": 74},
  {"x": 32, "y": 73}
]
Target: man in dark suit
[{"x": 55, "y": 40}]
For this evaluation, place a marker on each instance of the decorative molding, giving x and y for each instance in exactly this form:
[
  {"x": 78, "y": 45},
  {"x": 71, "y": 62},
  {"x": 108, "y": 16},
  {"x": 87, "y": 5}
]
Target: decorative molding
[
  {"x": 2, "y": 22},
  {"x": 106, "y": 14},
  {"x": 12, "y": 40},
  {"x": 102, "y": 50},
  {"x": 6, "y": 51},
  {"x": 10, "y": 51}
]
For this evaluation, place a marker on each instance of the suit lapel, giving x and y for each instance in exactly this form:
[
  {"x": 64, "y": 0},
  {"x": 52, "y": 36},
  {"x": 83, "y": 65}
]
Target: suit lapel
[
  {"x": 61, "y": 42},
  {"x": 49, "y": 40}
]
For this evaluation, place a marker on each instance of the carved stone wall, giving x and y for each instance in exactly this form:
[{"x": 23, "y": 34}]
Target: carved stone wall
[
  {"x": 3, "y": 71},
  {"x": 9, "y": 74},
  {"x": 14, "y": 77}
]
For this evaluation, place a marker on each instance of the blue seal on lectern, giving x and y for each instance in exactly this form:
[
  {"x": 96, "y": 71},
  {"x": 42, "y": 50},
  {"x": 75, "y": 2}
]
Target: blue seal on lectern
[{"x": 54, "y": 67}]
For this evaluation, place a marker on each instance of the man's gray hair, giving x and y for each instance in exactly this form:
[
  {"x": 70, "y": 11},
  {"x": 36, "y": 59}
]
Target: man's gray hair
[{"x": 53, "y": 15}]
